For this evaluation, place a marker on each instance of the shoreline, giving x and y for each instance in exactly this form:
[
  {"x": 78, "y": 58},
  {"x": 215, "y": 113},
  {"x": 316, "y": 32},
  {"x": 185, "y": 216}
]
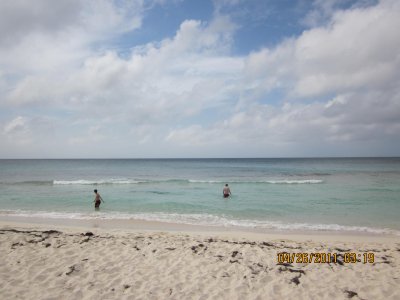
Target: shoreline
[
  {"x": 133, "y": 225},
  {"x": 194, "y": 222}
]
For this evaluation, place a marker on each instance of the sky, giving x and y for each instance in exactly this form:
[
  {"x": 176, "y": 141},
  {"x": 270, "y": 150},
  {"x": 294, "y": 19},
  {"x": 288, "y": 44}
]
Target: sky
[{"x": 190, "y": 78}]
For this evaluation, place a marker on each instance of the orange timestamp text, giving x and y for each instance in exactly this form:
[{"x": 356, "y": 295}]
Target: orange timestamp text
[{"x": 325, "y": 257}]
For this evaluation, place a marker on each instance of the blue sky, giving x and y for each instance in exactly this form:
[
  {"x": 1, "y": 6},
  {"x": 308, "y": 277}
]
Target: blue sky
[{"x": 222, "y": 78}]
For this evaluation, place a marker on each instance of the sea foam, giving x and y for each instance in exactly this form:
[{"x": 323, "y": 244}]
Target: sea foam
[
  {"x": 200, "y": 220},
  {"x": 96, "y": 182},
  {"x": 192, "y": 181}
]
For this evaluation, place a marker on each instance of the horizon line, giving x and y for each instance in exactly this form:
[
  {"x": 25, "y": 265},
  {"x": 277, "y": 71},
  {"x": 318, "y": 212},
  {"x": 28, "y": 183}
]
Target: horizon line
[{"x": 178, "y": 158}]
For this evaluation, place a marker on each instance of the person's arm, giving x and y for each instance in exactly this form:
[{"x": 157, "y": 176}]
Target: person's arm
[{"x": 102, "y": 200}]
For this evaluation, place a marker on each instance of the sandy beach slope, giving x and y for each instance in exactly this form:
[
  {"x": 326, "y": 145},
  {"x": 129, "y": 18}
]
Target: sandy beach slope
[{"x": 49, "y": 263}]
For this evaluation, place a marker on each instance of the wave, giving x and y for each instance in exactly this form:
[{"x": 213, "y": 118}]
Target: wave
[
  {"x": 280, "y": 181},
  {"x": 128, "y": 181},
  {"x": 106, "y": 181},
  {"x": 303, "y": 181},
  {"x": 97, "y": 182},
  {"x": 205, "y": 181},
  {"x": 200, "y": 220}
]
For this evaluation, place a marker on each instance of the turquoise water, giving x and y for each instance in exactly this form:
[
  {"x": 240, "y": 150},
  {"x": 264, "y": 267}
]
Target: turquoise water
[{"x": 348, "y": 194}]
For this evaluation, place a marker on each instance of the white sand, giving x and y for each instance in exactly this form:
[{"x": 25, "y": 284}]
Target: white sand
[{"x": 113, "y": 264}]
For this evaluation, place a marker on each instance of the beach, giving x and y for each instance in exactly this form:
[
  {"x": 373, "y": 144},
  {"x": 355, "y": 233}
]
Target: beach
[
  {"x": 200, "y": 150},
  {"x": 45, "y": 261},
  {"x": 292, "y": 229}
]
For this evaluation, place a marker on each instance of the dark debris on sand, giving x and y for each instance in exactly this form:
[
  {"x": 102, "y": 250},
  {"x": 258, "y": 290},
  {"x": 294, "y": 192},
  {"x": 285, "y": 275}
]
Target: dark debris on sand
[{"x": 351, "y": 294}]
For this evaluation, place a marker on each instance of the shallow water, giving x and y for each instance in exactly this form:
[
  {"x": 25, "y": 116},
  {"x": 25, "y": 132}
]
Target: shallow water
[{"x": 357, "y": 194}]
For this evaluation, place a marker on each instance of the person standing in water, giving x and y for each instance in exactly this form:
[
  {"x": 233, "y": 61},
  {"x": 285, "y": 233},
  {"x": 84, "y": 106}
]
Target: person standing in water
[
  {"x": 97, "y": 200},
  {"x": 226, "y": 191}
]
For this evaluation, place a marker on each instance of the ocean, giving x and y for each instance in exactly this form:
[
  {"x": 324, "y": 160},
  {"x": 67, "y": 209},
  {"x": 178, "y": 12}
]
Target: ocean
[{"x": 291, "y": 194}]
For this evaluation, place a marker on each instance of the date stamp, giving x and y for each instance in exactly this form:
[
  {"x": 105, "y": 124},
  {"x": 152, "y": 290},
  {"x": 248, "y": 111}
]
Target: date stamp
[{"x": 325, "y": 257}]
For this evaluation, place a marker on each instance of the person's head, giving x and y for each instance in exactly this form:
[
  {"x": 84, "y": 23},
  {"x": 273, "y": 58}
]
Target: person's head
[
  {"x": 95, "y": 191},
  {"x": 226, "y": 184}
]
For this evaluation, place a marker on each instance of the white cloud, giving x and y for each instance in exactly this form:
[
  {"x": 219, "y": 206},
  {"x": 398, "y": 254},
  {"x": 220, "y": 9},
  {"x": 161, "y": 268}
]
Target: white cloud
[
  {"x": 25, "y": 135},
  {"x": 139, "y": 94},
  {"x": 176, "y": 79},
  {"x": 49, "y": 36},
  {"x": 94, "y": 135},
  {"x": 19, "y": 18},
  {"x": 16, "y": 125},
  {"x": 188, "y": 96},
  {"x": 321, "y": 12},
  {"x": 354, "y": 61},
  {"x": 359, "y": 49}
]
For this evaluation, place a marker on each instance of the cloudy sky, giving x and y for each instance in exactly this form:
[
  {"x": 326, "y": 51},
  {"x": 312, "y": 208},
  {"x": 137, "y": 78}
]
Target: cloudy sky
[{"x": 190, "y": 78}]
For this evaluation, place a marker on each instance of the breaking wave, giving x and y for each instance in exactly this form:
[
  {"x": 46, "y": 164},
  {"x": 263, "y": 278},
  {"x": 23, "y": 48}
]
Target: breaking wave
[
  {"x": 305, "y": 181},
  {"x": 96, "y": 182},
  {"x": 199, "y": 219},
  {"x": 152, "y": 181}
]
